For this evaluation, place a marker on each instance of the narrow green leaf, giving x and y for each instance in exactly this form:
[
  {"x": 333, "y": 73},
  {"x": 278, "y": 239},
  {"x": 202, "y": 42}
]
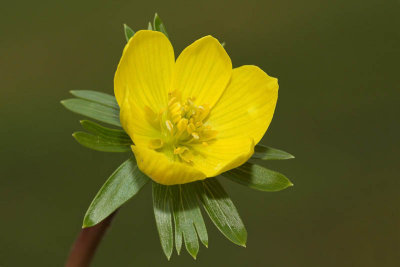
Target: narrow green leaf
[
  {"x": 93, "y": 110},
  {"x": 149, "y": 27},
  {"x": 123, "y": 184},
  {"x": 99, "y": 143},
  {"x": 159, "y": 25},
  {"x": 269, "y": 153},
  {"x": 184, "y": 223},
  {"x": 195, "y": 213},
  {"x": 163, "y": 215},
  {"x": 98, "y": 97},
  {"x": 114, "y": 135},
  {"x": 258, "y": 177},
  {"x": 128, "y": 32},
  {"x": 221, "y": 211}
]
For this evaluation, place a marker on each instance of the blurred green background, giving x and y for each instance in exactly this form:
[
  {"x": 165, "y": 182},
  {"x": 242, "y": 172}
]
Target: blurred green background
[{"x": 338, "y": 113}]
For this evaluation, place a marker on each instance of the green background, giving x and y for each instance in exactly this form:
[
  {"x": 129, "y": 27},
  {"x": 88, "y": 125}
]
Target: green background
[{"x": 338, "y": 113}]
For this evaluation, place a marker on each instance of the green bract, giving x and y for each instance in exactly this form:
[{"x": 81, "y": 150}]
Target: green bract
[
  {"x": 123, "y": 184},
  {"x": 128, "y": 32},
  {"x": 177, "y": 208}
]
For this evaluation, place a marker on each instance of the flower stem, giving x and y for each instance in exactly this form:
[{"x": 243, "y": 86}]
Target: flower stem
[{"x": 85, "y": 245}]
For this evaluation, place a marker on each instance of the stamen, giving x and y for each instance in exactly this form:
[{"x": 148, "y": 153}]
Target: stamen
[
  {"x": 171, "y": 101},
  {"x": 195, "y": 135},
  {"x": 191, "y": 128},
  {"x": 169, "y": 125},
  {"x": 176, "y": 118},
  {"x": 182, "y": 125}
]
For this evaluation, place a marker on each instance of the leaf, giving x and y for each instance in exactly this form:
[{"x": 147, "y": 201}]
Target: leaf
[
  {"x": 221, "y": 210},
  {"x": 184, "y": 226},
  {"x": 188, "y": 219},
  {"x": 193, "y": 201},
  {"x": 159, "y": 25},
  {"x": 269, "y": 153},
  {"x": 93, "y": 110},
  {"x": 163, "y": 215},
  {"x": 97, "y": 97},
  {"x": 99, "y": 143},
  {"x": 128, "y": 32},
  {"x": 115, "y": 135},
  {"x": 149, "y": 27},
  {"x": 124, "y": 183},
  {"x": 258, "y": 177}
]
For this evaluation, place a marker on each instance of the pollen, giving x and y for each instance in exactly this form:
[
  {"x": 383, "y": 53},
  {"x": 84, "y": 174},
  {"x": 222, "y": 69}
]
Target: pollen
[{"x": 182, "y": 125}]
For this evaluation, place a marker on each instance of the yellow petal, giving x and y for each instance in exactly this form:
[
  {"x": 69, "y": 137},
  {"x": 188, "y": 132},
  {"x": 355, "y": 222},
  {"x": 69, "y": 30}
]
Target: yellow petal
[
  {"x": 145, "y": 70},
  {"x": 164, "y": 170},
  {"x": 143, "y": 79},
  {"x": 135, "y": 124},
  {"x": 222, "y": 155},
  {"x": 202, "y": 71},
  {"x": 247, "y": 105}
]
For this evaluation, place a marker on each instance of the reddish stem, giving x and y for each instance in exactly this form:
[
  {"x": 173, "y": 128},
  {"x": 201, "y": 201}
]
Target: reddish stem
[{"x": 85, "y": 245}]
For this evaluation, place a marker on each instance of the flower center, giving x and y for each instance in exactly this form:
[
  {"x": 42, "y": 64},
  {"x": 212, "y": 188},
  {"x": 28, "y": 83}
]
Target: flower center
[{"x": 182, "y": 126}]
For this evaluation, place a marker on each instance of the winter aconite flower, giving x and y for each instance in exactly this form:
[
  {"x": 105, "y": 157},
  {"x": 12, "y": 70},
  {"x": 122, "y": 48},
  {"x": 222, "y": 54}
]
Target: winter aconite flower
[
  {"x": 193, "y": 117},
  {"x": 185, "y": 120}
]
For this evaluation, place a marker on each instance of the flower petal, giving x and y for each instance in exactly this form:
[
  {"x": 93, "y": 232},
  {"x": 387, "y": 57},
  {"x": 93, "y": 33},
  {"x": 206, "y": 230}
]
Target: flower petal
[
  {"x": 202, "y": 71},
  {"x": 247, "y": 105},
  {"x": 145, "y": 70},
  {"x": 240, "y": 117},
  {"x": 142, "y": 79},
  {"x": 222, "y": 155},
  {"x": 164, "y": 170}
]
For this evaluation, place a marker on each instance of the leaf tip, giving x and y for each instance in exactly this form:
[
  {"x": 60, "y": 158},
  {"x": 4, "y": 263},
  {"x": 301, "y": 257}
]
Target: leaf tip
[
  {"x": 87, "y": 223},
  {"x": 193, "y": 254},
  {"x": 168, "y": 255}
]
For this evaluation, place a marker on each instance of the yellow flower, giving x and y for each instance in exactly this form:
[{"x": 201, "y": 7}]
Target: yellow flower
[{"x": 195, "y": 117}]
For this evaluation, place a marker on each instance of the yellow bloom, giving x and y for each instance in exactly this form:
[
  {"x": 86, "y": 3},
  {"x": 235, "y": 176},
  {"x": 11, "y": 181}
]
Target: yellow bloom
[{"x": 195, "y": 117}]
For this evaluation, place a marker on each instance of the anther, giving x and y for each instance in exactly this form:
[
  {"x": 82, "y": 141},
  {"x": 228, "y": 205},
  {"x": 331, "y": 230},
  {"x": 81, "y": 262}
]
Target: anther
[
  {"x": 169, "y": 125},
  {"x": 195, "y": 135},
  {"x": 182, "y": 125},
  {"x": 191, "y": 128},
  {"x": 171, "y": 101}
]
